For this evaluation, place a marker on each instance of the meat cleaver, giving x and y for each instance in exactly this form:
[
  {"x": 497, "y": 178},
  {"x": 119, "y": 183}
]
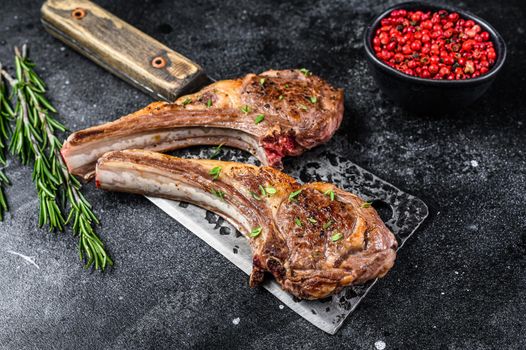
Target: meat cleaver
[{"x": 165, "y": 74}]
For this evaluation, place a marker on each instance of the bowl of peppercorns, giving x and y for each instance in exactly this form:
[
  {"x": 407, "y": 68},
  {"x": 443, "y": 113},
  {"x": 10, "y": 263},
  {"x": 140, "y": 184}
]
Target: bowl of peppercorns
[{"x": 433, "y": 58}]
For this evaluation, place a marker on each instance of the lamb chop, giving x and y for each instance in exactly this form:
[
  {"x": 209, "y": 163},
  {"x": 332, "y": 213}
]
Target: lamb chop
[
  {"x": 314, "y": 239},
  {"x": 271, "y": 115}
]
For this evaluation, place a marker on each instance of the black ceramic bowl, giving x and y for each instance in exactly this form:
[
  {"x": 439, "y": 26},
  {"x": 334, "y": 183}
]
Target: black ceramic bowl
[{"x": 427, "y": 94}]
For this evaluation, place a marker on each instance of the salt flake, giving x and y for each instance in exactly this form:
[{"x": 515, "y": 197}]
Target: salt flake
[{"x": 379, "y": 345}]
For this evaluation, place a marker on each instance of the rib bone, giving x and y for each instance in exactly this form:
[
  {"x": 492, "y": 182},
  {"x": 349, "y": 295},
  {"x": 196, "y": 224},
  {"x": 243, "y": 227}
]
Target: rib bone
[
  {"x": 298, "y": 112},
  {"x": 313, "y": 243}
]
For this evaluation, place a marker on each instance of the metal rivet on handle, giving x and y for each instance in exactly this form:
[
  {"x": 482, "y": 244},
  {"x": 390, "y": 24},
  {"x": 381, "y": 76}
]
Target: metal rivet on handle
[
  {"x": 158, "y": 62},
  {"x": 78, "y": 13}
]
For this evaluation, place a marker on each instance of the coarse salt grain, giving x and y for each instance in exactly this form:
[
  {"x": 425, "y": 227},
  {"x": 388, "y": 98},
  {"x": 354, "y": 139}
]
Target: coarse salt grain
[{"x": 379, "y": 345}]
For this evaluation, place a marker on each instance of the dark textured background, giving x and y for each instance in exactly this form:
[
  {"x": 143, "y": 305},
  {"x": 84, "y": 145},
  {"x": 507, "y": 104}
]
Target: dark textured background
[{"x": 459, "y": 284}]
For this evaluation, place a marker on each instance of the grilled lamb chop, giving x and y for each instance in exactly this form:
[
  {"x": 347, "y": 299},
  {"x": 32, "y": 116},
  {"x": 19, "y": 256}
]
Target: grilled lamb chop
[
  {"x": 271, "y": 115},
  {"x": 314, "y": 239}
]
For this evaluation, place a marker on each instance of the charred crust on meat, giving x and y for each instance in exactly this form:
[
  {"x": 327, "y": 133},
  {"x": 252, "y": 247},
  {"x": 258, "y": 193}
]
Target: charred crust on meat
[
  {"x": 275, "y": 267},
  {"x": 79, "y": 137},
  {"x": 257, "y": 276}
]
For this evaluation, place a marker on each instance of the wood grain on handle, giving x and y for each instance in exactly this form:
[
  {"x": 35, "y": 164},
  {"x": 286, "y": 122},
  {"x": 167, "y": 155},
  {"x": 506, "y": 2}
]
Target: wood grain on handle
[{"x": 122, "y": 49}]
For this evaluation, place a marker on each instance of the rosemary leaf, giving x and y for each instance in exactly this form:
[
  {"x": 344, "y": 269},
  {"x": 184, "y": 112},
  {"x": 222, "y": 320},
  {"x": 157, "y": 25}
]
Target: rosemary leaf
[
  {"x": 270, "y": 191},
  {"x": 336, "y": 236},
  {"x": 255, "y": 232},
  {"x": 305, "y": 72},
  {"x": 187, "y": 101},
  {"x": 259, "y": 118},
  {"x": 215, "y": 171},
  {"x": 293, "y": 195},
  {"x": 216, "y": 151},
  {"x": 327, "y": 224},
  {"x": 297, "y": 221},
  {"x": 255, "y": 195},
  {"x": 218, "y": 193},
  {"x": 329, "y": 193},
  {"x": 366, "y": 204},
  {"x": 246, "y": 109},
  {"x": 6, "y": 113}
]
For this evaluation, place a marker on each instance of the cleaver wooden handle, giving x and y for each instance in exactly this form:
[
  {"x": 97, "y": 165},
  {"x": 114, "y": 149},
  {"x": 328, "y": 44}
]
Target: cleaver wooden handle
[{"x": 122, "y": 49}]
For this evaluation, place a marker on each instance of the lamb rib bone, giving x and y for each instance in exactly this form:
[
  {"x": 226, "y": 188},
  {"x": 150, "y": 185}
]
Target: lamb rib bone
[
  {"x": 271, "y": 115},
  {"x": 314, "y": 239}
]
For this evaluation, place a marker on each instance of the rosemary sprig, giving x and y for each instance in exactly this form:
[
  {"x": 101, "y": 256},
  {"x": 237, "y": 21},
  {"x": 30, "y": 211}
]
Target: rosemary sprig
[
  {"x": 6, "y": 113},
  {"x": 34, "y": 140},
  {"x": 91, "y": 249},
  {"x": 33, "y": 136}
]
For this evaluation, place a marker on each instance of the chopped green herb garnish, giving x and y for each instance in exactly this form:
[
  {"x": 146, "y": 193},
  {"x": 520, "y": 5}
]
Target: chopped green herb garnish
[
  {"x": 263, "y": 191},
  {"x": 313, "y": 99},
  {"x": 262, "y": 81},
  {"x": 216, "y": 152},
  {"x": 255, "y": 232},
  {"x": 293, "y": 195},
  {"x": 286, "y": 86},
  {"x": 218, "y": 193},
  {"x": 366, "y": 204},
  {"x": 280, "y": 97},
  {"x": 209, "y": 103},
  {"x": 259, "y": 118},
  {"x": 187, "y": 101},
  {"x": 267, "y": 191},
  {"x": 303, "y": 107},
  {"x": 327, "y": 224},
  {"x": 312, "y": 220},
  {"x": 245, "y": 109},
  {"x": 215, "y": 171},
  {"x": 255, "y": 195},
  {"x": 270, "y": 190},
  {"x": 336, "y": 237},
  {"x": 297, "y": 221},
  {"x": 329, "y": 193},
  {"x": 305, "y": 72}
]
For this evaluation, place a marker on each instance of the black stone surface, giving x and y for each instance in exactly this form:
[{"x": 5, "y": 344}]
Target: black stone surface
[{"x": 459, "y": 284}]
